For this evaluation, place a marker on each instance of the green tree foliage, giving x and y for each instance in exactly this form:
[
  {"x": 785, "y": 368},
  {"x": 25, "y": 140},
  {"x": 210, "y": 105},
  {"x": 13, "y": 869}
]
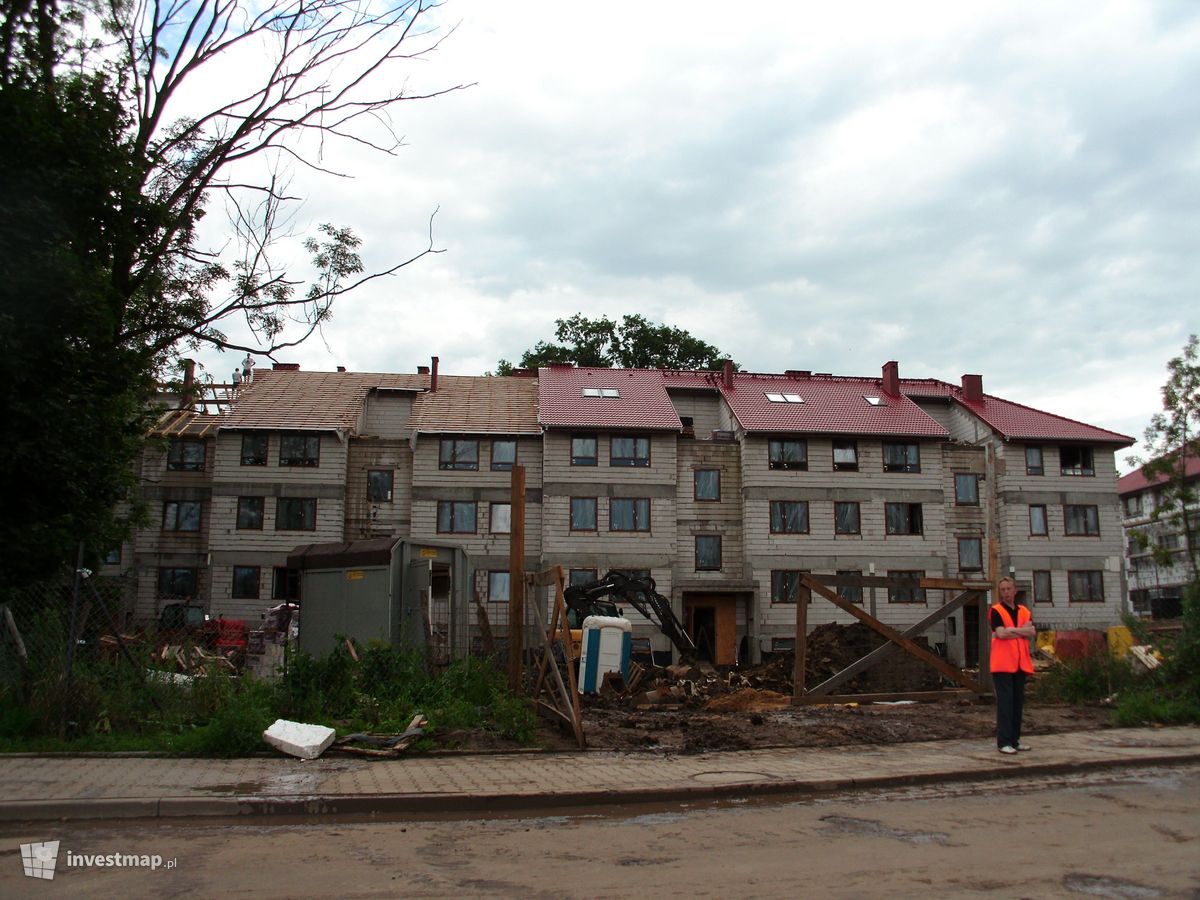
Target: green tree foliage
[
  {"x": 1171, "y": 441},
  {"x": 633, "y": 343},
  {"x": 105, "y": 177}
]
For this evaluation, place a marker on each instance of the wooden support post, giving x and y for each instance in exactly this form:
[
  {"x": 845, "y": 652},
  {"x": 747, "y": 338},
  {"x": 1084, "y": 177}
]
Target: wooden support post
[
  {"x": 861, "y": 665},
  {"x": 801, "y": 642},
  {"x": 985, "y": 626},
  {"x": 891, "y": 634},
  {"x": 516, "y": 581}
]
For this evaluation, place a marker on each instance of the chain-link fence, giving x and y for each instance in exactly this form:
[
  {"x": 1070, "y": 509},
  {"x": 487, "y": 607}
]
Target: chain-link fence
[{"x": 50, "y": 632}]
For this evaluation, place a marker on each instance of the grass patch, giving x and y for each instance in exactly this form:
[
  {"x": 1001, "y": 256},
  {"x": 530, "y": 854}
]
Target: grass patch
[
  {"x": 1084, "y": 681},
  {"x": 110, "y": 706},
  {"x": 1147, "y": 705}
]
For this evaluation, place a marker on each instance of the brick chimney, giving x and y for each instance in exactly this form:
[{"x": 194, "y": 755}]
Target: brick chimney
[
  {"x": 189, "y": 384},
  {"x": 727, "y": 374},
  {"x": 286, "y": 367},
  {"x": 972, "y": 387},
  {"x": 891, "y": 378},
  {"x": 433, "y": 375}
]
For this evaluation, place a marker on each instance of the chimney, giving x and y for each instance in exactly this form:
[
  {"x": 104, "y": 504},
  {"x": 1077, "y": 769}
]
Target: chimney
[
  {"x": 891, "y": 378},
  {"x": 433, "y": 376},
  {"x": 286, "y": 367},
  {"x": 972, "y": 387},
  {"x": 341, "y": 368},
  {"x": 189, "y": 383},
  {"x": 727, "y": 374},
  {"x": 422, "y": 370}
]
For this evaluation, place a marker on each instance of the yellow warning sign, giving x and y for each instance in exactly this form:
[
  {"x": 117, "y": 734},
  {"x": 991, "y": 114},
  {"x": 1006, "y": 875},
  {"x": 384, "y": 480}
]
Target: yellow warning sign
[
  {"x": 354, "y": 575},
  {"x": 428, "y": 553}
]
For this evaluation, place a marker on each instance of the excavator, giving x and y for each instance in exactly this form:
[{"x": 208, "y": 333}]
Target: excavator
[{"x": 589, "y": 599}]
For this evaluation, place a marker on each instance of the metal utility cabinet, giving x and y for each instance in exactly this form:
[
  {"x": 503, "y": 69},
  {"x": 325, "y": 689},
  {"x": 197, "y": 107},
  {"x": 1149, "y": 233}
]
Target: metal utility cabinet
[{"x": 412, "y": 593}]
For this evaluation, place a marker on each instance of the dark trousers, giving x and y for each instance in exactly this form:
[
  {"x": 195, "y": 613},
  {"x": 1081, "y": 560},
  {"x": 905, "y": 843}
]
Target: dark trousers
[{"x": 1010, "y": 701}]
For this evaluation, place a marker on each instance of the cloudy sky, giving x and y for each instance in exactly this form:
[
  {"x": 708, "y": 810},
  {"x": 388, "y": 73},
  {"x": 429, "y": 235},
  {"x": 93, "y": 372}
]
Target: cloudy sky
[{"x": 1010, "y": 189}]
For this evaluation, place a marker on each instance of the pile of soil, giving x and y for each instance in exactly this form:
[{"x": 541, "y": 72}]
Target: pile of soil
[{"x": 832, "y": 647}]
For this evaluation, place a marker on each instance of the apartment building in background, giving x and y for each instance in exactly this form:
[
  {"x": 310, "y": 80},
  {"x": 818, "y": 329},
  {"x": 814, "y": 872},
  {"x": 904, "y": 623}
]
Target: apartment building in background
[
  {"x": 1157, "y": 579},
  {"x": 722, "y": 486}
]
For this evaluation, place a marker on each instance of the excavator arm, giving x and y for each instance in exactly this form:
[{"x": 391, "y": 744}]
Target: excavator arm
[{"x": 641, "y": 593}]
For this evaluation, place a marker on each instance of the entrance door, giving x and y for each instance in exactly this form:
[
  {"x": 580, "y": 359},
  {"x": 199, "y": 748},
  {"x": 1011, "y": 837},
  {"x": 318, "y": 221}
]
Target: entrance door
[
  {"x": 703, "y": 631},
  {"x": 415, "y": 611},
  {"x": 971, "y": 635},
  {"x": 711, "y": 621}
]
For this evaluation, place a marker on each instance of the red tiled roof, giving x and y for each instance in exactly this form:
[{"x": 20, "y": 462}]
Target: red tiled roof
[
  {"x": 310, "y": 401},
  {"x": 1023, "y": 423},
  {"x": 1135, "y": 481},
  {"x": 643, "y": 402},
  {"x": 832, "y": 405},
  {"x": 479, "y": 405},
  {"x": 1014, "y": 420}
]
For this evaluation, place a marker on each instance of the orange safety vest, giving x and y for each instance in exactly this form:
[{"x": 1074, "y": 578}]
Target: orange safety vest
[{"x": 1011, "y": 654}]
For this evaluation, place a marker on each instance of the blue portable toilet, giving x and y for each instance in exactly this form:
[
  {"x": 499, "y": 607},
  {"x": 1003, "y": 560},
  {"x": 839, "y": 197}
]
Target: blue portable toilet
[{"x": 605, "y": 648}]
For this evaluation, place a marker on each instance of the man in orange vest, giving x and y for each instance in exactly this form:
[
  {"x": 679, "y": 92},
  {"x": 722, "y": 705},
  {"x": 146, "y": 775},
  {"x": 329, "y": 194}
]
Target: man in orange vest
[{"x": 1012, "y": 629}]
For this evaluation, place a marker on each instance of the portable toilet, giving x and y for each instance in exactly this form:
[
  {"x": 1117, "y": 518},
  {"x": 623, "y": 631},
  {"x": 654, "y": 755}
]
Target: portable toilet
[{"x": 605, "y": 648}]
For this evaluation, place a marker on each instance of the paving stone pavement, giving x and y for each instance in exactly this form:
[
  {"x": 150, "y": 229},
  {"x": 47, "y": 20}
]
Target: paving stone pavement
[{"x": 55, "y": 787}]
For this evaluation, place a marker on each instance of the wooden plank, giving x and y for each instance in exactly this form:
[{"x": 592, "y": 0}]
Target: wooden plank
[
  {"x": 801, "y": 645},
  {"x": 892, "y": 635},
  {"x": 548, "y": 648},
  {"x": 956, "y": 584},
  {"x": 985, "y": 627},
  {"x": 560, "y": 609},
  {"x": 919, "y": 696},
  {"x": 543, "y": 578},
  {"x": 516, "y": 582},
  {"x": 11, "y": 625},
  {"x": 879, "y": 653},
  {"x": 908, "y": 581}
]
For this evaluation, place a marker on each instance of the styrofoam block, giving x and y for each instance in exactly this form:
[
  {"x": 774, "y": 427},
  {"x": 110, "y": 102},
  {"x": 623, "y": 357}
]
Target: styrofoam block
[{"x": 298, "y": 739}]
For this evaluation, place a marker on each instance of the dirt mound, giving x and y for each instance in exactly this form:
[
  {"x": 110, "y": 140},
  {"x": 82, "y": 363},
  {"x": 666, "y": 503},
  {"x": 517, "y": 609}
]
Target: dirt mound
[{"x": 833, "y": 647}]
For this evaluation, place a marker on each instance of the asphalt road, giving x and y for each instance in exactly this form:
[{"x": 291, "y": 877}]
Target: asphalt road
[{"x": 1117, "y": 834}]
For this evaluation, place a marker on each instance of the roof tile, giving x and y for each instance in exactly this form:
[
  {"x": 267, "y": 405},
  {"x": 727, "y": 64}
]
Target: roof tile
[
  {"x": 479, "y": 405},
  {"x": 310, "y": 401}
]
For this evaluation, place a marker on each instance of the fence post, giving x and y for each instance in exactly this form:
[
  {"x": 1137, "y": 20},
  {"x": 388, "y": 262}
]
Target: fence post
[
  {"x": 516, "y": 582},
  {"x": 72, "y": 638}
]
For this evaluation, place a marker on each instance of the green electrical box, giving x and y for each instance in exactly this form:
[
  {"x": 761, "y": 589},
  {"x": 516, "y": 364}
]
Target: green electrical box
[{"x": 397, "y": 590}]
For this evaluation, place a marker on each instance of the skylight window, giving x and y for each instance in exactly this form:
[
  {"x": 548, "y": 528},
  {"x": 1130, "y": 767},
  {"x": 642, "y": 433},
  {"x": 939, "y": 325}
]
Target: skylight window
[
  {"x": 875, "y": 401},
  {"x": 607, "y": 393},
  {"x": 784, "y": 398}
]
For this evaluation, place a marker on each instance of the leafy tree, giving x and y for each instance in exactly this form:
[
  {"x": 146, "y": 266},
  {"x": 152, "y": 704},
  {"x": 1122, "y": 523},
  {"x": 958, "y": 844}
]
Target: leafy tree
[
  {"x": 1171, "y": 440},
  {"x": 634, "y": 343},
  {"x": 122, "y": 129}
]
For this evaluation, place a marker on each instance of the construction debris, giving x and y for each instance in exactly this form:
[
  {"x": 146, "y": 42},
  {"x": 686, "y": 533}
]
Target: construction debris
[
  {"x": 1145, "y": 657},
  {"x": 299, "y": 739},
  {"x": 383, "y": 746},
  {"x": 831, "y": 648}
]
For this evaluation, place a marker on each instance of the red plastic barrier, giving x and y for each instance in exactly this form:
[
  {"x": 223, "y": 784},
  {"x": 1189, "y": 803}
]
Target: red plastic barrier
[{"x": 1079, "y": 644}]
